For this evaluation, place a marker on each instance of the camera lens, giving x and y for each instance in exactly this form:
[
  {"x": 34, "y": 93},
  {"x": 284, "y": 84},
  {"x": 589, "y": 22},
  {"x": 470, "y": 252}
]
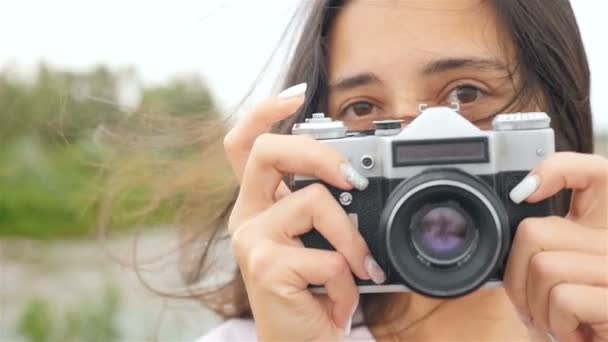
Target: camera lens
[
  {"x": 443, "y": 233},
  {"x": 446, "y": 232}
]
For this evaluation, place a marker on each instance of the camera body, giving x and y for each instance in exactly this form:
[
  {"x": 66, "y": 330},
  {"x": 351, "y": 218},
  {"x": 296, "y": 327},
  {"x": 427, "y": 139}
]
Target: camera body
[{"x": 436, "y": 214}]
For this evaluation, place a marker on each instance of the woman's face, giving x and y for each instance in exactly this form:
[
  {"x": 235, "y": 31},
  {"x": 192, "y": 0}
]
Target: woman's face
[{"x": 387, "y": 57}]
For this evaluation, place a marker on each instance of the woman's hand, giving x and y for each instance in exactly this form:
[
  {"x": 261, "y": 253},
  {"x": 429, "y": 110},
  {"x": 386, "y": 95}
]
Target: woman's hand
[
  {"x": 275, "y": 266},
  {"x": 557, "y": 274}
]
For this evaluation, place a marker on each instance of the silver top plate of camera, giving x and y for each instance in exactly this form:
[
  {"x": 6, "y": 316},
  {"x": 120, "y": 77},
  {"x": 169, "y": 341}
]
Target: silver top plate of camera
[
  {"x": 437, "y": 135},
  {"x": 521, "y": 121}
]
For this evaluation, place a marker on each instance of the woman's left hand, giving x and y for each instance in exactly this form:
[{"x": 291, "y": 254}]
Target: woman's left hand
[{"x": 557, "y": 273}]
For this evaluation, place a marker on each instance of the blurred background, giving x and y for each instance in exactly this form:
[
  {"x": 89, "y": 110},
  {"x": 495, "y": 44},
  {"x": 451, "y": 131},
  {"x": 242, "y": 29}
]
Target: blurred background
[{"x": 68, "y": 69}]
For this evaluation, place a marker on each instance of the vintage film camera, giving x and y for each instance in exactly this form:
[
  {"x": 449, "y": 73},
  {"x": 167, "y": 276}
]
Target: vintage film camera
[{"x": 437, "y": 214}]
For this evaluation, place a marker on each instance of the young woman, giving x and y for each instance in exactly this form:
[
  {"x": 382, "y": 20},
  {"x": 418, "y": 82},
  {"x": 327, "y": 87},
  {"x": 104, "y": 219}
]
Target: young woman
[{"x": 363, "y": 60}]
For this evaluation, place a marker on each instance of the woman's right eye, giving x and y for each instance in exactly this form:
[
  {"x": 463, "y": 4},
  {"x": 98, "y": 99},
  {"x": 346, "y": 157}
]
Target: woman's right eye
[{"x": 359, "y": 109}]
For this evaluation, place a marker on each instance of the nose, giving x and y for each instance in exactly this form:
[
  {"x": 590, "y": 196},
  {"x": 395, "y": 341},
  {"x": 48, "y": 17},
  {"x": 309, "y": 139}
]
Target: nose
[
  {"x": 406, "y": 104},
  {"x": 408, "y": 112}
]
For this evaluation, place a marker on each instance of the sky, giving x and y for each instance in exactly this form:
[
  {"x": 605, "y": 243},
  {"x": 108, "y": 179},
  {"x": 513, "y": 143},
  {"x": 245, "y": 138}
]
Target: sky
[{"x": 227, "y": 41}]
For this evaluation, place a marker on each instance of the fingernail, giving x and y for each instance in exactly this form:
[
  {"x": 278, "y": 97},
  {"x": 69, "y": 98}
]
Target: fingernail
[
  {"x": 349, "y": 324},
  {"x": 552, "y": 337},
  {"x": 374, "y": 270},
  {"x": 348, "y": 327},
  {"x": 524, "y": 189},
  {"x": 353, "y": 177},
  {"x": 526, "y": 319},
  {"x": 294, "y": 91}
]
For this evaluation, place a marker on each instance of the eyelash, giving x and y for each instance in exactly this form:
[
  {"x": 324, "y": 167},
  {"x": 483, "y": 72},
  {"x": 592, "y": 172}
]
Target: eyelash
[
  {"x": 445, "y": 99},
  {"x": 343, "y": 112},
  {"x": 483, "y": 93}
]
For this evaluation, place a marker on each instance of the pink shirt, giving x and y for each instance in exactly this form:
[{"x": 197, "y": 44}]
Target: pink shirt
[{"x": 244, "y": 330}]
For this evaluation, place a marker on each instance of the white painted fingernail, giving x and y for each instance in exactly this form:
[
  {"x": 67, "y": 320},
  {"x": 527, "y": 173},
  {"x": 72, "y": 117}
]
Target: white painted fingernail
[
  {"x": 349, "y": 326},
  {"x": 374, "y": 270},
  {"x": 525, "y": 319},
  {"x": 353, "y": 177},
  {"x": 552, "y": 338},
  {"x": 524, "y": 189},
  {"x": 294, "y": 91}
]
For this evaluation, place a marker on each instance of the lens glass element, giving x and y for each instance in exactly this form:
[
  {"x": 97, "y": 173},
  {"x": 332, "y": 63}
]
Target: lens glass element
[{"x": 443, "y": 233}]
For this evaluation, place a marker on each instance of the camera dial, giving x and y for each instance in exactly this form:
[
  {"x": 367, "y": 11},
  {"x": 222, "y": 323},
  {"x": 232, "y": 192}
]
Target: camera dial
[
  {"x": 387, "y": 127},
  {"x": 320, "y": 127}
]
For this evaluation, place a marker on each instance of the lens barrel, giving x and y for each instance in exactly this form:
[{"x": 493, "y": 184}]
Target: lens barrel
[{"x": 446, "y": 232}]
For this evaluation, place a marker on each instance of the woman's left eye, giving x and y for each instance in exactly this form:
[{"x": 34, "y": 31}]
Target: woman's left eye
[{"x": 465, "y": 94}]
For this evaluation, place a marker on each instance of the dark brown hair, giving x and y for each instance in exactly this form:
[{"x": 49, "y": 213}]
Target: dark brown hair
[{"x": 552, "y": 70}]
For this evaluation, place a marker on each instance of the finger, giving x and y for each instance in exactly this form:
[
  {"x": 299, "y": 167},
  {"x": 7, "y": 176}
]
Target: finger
[
  {"x": 565, "y": 170},
  {"x": 572, "y": 307},
  {"x": 331, "y": 270},
  {"x": 314, "y": 206},
  {"x": 286, "y": 272},
  {"x": 546, "y": 234},
  {"x": 273, "y": 155},
  {"x": 241, "y": 137},
  {"x": 282, "y": 191},
  {"x": 549, "y": 269}
]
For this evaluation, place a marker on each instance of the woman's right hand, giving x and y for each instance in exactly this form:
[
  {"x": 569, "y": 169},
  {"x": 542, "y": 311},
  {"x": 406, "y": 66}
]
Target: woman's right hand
[{"x": 276, "y": 268}]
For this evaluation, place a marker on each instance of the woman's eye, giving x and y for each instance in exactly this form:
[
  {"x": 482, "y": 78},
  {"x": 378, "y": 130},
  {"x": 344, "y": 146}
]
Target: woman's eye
[
  {"x": 465, "y": 94},
  {"x": 358, "y": 109}
]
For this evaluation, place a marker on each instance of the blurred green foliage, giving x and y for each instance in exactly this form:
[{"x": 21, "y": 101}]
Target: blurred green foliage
[
  {"x": 90, "y": 320},
  {"x": 45, "y": 189},
  {"x": 36, "y": 323},
  {"x": 48, "y": 149}
]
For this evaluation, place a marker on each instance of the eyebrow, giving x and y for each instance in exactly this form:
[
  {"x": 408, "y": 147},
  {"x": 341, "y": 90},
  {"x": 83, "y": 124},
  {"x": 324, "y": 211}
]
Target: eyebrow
[
  {"x": 355, "y": 81},
  {"x": 444, "y": 65},
  {"x": 434, "y": 67}
]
